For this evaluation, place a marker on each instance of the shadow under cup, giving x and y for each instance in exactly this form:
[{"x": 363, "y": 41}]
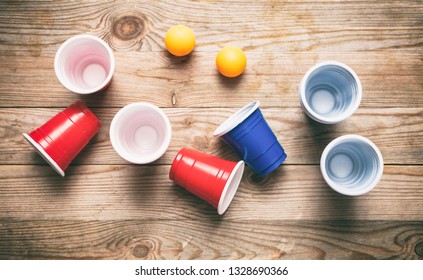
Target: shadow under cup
[
  {"x": 84, "y": 64},
  {"x": 330, "y": 92},
  {"x": 351, "y": 165}
]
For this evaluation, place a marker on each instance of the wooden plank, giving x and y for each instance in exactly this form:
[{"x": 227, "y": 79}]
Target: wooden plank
[
  {"x": 391, "y": 79},
  {"x": 397, "y": 132},
  {"x": 192, "y": 239},
  {"x": 324, "y": 26},
  {"x": 106, "y": 208},
  {"x": 111, "y": 192}
]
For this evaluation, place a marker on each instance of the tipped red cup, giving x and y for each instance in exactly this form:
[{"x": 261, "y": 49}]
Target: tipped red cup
[
  {"x": 61, "y": 138},
  {"x": 212, "y": 179}
]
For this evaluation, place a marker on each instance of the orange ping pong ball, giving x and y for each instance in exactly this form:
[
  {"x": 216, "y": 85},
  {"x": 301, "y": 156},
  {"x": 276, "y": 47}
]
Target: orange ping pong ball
[
  {"x": 231, "y": 61},
  {"x": 179, "y": 40}
]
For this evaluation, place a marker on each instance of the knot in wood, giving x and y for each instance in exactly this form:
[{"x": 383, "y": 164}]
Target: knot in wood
[
  {"x": 126, "y": 28},
  {"x": 140, "y": 251},
  {"x": 419, "y": 249}
]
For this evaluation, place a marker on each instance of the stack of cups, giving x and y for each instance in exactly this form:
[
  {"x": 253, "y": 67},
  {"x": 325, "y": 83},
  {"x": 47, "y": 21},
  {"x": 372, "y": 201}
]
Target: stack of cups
[
  {"x": 61, "y": 138},
  {"x": 212, "y": 179},
  {"x": 248, "y": 133},
  {"x": 329, "y": 93}
]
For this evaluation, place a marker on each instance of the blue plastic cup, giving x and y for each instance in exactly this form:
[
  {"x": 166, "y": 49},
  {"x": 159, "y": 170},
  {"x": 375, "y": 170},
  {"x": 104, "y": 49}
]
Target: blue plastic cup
[{"x": 248, "y": 133}]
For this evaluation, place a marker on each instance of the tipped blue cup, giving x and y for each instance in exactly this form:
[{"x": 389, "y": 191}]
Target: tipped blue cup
[{"x": 248, "y": 133}]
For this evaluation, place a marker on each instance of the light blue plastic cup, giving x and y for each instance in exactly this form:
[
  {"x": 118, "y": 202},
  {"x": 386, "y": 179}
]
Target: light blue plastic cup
[
  {"x": 351, "y": 165},
  {"x": 330, "y": 92}
]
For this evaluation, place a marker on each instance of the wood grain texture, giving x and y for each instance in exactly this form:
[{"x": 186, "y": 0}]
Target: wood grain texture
[
  {"x": 192, "y": 239},
  {"x": 106, "y": 208},
  {"x": 319, "y": 26},
  {"x": 281, "y": 39},
  {"x": 388, "y": 79},
  {"x": 397, "y": 132},
  {"x": 292, "y": 192}
]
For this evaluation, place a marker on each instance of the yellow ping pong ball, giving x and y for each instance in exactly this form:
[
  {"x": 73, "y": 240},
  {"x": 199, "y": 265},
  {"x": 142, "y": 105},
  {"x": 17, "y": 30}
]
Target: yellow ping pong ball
[
  {"x": 179, "y": 40},
  {"x": 231, "y": 61}
]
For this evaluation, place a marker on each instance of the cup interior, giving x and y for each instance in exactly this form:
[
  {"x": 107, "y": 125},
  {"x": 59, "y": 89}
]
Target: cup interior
[
  {"x": 140, "y": 133},
  {"x": 352, "y": 166},
  {"x": 231, "y": 187},
  {"x": 84, "y": 64},
  {"x": 236, "y": 118},
  {"x": 332, "y": 91}
]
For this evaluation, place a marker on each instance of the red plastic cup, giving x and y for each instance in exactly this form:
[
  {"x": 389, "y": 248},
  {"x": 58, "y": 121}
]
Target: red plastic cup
[
  {"x": 61, "y": 138},
  {"x": 212, "y": 179}
]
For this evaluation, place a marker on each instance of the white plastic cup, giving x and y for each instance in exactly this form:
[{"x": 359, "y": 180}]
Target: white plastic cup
[
  {"x": 330, "y": 92},
  {"x": 84, "y": 64},
  {"x": 140, "y": 133},
  {"x": 351, "y": 165}
]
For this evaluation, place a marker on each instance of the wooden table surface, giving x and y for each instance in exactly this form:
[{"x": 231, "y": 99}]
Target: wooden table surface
[{"x": 106, "y": 208}]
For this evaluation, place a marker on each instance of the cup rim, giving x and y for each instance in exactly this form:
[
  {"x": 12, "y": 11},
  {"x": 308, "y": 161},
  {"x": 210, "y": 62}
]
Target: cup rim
[
  {"x": 40, "y": 150},
  {"x": 231, "y": 187},
  {"x": 332, "y": 184},
  {"x": 235, "y": 119},
  {"x": 312, "y": 113},
  {"x": 70, "y": 86},
  {"x": 137, "y": 159}
]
